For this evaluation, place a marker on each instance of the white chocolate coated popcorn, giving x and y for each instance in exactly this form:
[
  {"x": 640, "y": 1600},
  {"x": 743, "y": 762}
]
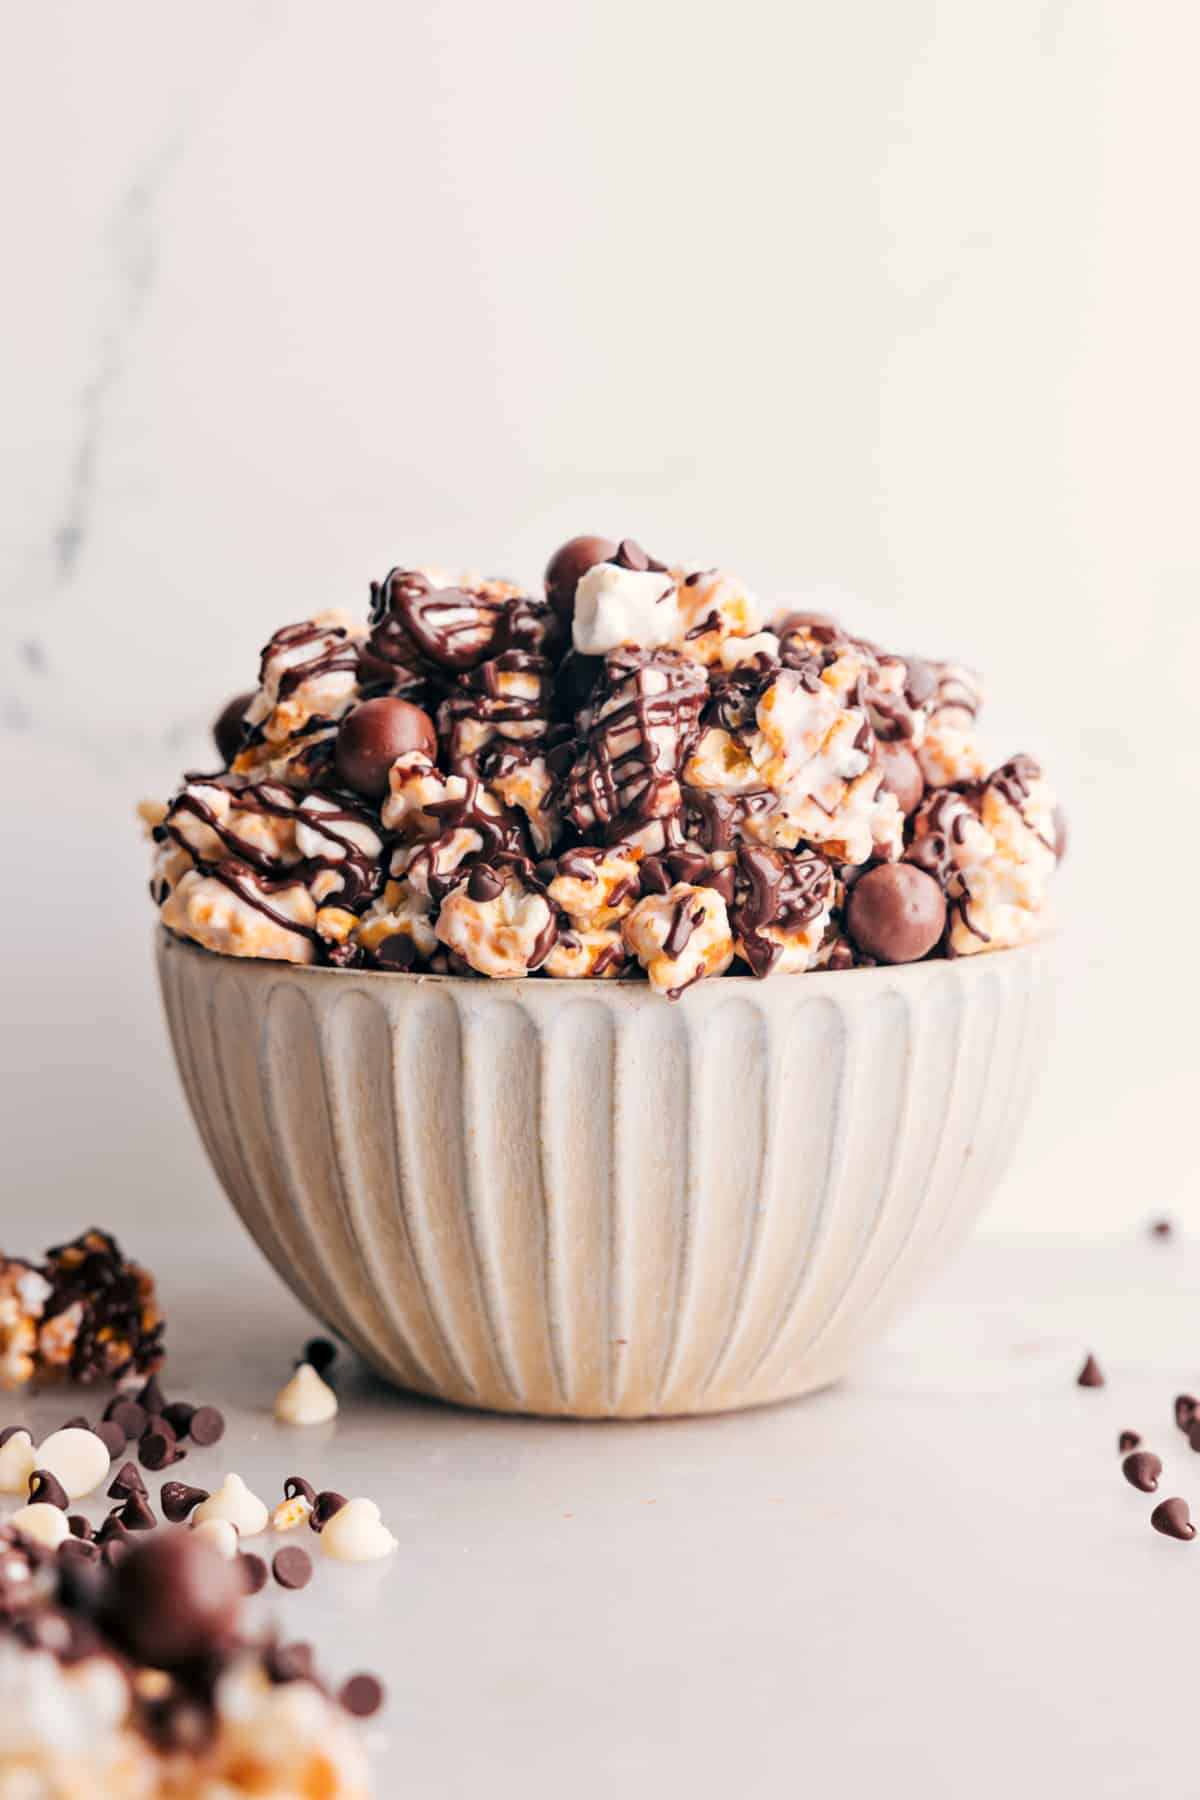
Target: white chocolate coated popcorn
[
  {"x": 596, "y": 887},
  {"x": 414, "y": 784},
  {"x": 502, "y": 937},
  {"x": 217, "y": 821},
  {"x": 679, "y": 937},
  {"x": 581, "y": 954},
  {"x": 714, "y": 610},
  {"x": 615, "y": 606},
  {"x": 204, "y": 908},
  {"x": 308, "y": 672},
  {"x": 522, "y": 781},
  {"x": 23, "y": 1295}
]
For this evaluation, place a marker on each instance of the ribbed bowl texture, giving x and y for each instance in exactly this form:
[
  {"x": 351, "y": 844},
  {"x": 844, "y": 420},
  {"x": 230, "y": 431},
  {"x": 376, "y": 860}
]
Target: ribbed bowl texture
[{"x": 577, "y": 1198}]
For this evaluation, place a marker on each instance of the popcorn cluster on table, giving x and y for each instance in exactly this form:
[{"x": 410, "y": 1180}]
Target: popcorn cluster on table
[{"x": 633, "y": 773}]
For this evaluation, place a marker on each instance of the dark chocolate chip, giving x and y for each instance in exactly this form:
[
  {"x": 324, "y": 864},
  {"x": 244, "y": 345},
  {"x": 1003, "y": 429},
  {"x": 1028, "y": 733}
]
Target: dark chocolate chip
[
  {"x": 292, "y": 1567},
  {"x": 1142, "y": 1470},
  {"x": 152, "y": 1399},
  {"x": 80, "y": 1527},
  {"x": 47, "y": 1489},
  {"x": 1161, "y": 1228},
  {"x": 229, "y": 727},
  {"x": 137, "y": 1514},
  {"x": 320, "y": 1352},
  {"x": 78, "y": 1423},
  {"x": 296, "y": 1487},
  {"x": 253, "y": 1571},
  {"x": 177, "y": 1500},
  {"x": 1090, "y": 1375},
  {"x": 1185, "y": 1410},
  {"x": 289, "y": 1662},
  {"x": 630, "y": 555},
  {"x": 1128, "y": 1440},
  {"x": 82, "y": 1548},
  {"x": 128, "y": 1415},
  {"x": 127, "y": 1480},
  {"x": 1173, "y": 1518},
  {"x": 113, "y": 1527},
  {"x": 157, "y": 1448},
  {"x": 361, "y": 1696},
  {"x": 179, "y": 1416},
  {"x": 327, "y": 1502},
  {"x": 484, "y": 884},
  {"x": 112, "y": 1437},
  {"x": 207, "y": 1426},
  {"x": 115, "y": 1551}
]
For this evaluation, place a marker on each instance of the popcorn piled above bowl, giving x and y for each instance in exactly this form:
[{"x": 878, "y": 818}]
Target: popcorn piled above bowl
[{"x": 632, "y": 774}]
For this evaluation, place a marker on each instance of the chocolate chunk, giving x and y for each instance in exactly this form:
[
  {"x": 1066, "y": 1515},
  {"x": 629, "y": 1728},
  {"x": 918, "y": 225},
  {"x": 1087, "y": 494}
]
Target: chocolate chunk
[
  {"x": 229, "y": 729},
  {"x": 178, "y": 1499},
  {"x": 1161, "y": 1228},
  {"x": 1090, "y": 1375},
  {"x": 207, "y": 1426},
  {"x": 1142, "y": 1470},
  {"x": 373, "y": 735},
  {"x": 292, "y": 1567},
  {"x": 152, "y": 1399},
  {"x": 80, "y": 1527},
  {"x": 253, "y": 1571},
  {"x": 112, "y": 1437},
  {"x": 174, "y": 1602},
  {"x": 361, "y": 1696},
  {"x": 896, "y": 913},
  {"x": 129, "y": 1416},
  {"x": 325, "y": 1505},
  {"x": 1185, "y": 1410},
  {"x": 1173, "y": 1518},
  {"x": 321, "y": 1353},
  {"x": 137, "y": 1514},
  {"x": 179, "y": 1415},
  {"x": 901, "y": 775},
  {"x": 126, "y": 1481},
  {"x": 157, "y": 1448},
  {"x": 296, "y": 1486},
  {"x": 569, "y": 564},
  {"x": 1128, "y": 1440},
  {"x": 47, "y": 1489}
]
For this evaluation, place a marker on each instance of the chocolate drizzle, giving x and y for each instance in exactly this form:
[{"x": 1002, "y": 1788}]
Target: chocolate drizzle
[{"x": 777, "y": 889}]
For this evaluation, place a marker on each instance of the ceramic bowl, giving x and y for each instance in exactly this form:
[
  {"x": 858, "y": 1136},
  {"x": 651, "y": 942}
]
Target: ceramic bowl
[{"x": 580, "y": 1199}]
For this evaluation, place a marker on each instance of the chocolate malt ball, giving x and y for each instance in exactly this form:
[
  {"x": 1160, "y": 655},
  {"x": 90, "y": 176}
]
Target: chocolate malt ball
[
  {"x": 227, "y": 730},
  {"x": 896, "y": 913},
  {"x": 174, "y": 1601},
  {"x": 901, "y": 775},
  {"x": 570, "y": 562},
  {"x": 371, "y": 737}
]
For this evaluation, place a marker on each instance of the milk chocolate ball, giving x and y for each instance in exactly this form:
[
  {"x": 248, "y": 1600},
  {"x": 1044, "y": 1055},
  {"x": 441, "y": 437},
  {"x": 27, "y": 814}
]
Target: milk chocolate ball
[
  {"x": 371, "y": 737},
  {"x": 896, "y": 913},
  {"x": 570, "y": 562},
  {"x": 227, "y": 731},
  {"x": 173, "y": 1601},
  {"x": 901, "y": 776}
]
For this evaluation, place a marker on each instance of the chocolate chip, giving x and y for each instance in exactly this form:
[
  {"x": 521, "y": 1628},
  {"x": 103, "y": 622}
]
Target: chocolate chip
[
  {"x": 137, "y": 1514},
  {"x": 78, "y": 1423},
  {"x": 896, "y": 913},
  {"x": 174, "y": 1602},
  {"x": 569, "y": 564},
  {"x": 1185, "y": 1410},
  {"x": 325, "y": 1505},
  {"x": 157, "y": 1448},
  {"x": 152, "y": 1399},
  {"x": 128, "y": 1415},
  {"x": 630, "y": 555},
  {"x": 1062, "y": 835},
  {"x": 292, "y": 1567},
  {"x": 253, "y": 1571},
  {"x": 1194, "y": 1433},
  {"x": 321, "y": 1353},
  {"x": 361, "y": 1696},
  {"x": 47, "y": 1489},
  {"x": 82, "y": 1548},
  {"x": 1128, "y": 1440},
  {"x": 1091, "y": 1374},
  {"x": 484, "y": 884},
  {"x": 80, "y": 1527},
  {"x": 113, "y": 1529},
  {"x": 111, "y": 1436},
  {"x": 373, "y": 734},
  {"x": 229, "y": 727},
  {"x": 179, "y": 1415},
  {"x": 1161, "y": 1228},
  {"x": 296, "y": 1487},
  {"x": 126, "y": 1481},
  {"x": 1173, "y": 1518},
  {"x": 207, "y": 1426},
  {"x": 115, "y": 1552},
  {"x": 1142, "y": 1470},
  {"x": 289, "y": 1662},
  {"x": 902, "y": 776},
  {"x": 177, "y": 1500}
]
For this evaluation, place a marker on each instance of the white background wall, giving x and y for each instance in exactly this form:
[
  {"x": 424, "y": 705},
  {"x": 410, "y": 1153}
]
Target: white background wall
[{"x": 892, "y": 300}]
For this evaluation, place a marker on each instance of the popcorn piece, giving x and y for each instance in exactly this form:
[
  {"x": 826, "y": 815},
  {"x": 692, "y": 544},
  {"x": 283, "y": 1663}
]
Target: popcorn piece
[
  {"x": 508, "y": 697},
  {"x": 679, "y": 937},
  {"x": 255, "y": 823},
  {"x": 615, "y": 607},
  {"x": 497, "y": 924},
  {"x": 237, "y": 912},
  {"x": 522, "y": 779},
  {"x": 948, "y": 836},
  {"x": 950, "y": 752},
  {"x": 581, "y": 954},
  {"x": 429, "y": 620},
  {"x": 642, "y": 728},
  {"x": 999, "y": 905},
  {"x": 763, "y": 647},
  {"x": 42, "y": 1524},
  {"x": 416, "y": 785},
  {"x": 308, "y": 671},
  {"x": 290, "y": 1514},
  {"x": 356, "y": 1533},
  {"x": 279, "y": 1740},
  {"x": 398, "y": 930},
  {"x": 1017, "y": 808},
  {"x": 77, "y": 1458},
  {"x": 341, "y": 847},
  {"x": 305, "y": 1399},
  {"x": 781, "y": 910},
  {"x": 23, "y": 1296},
  {"x": 18, "y": 1460},
  {"x": 234, "y": 1502},
  {"x": 596, "y": 887},
  {"x": 102, "y": 1319},
  {"x": 714, "y": 609}
]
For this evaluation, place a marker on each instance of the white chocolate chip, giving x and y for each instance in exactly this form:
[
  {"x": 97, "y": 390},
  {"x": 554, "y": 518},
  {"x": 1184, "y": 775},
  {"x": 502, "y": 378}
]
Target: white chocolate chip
[
  {"x": 44, "y": 1524},
  {"x": 77, "y": 1457},
  {"x": 357, "y": 1534},
  {"x": 305, "y": 1399},
  {"x": 233, "y": 1502},
  {"x": 18, "y": 1460},
  {"x": 220, "y": 1534},
  {"x": 290, "y": 1513}
]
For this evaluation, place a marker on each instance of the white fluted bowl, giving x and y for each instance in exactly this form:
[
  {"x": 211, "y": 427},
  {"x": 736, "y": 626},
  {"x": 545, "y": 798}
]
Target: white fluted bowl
[{"x": 577, "y": 1198}]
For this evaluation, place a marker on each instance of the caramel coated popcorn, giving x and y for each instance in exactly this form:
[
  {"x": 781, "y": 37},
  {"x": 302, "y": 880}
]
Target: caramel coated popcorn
[{"x": 488, "y": 781}]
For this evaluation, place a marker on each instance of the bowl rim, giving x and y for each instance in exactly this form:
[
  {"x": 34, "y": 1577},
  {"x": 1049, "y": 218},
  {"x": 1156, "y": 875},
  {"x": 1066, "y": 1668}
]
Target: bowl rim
[{"x": 629, "y": 991}]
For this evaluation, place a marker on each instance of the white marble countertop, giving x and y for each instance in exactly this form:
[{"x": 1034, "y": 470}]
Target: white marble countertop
[{"x": 931, "y": 1581}]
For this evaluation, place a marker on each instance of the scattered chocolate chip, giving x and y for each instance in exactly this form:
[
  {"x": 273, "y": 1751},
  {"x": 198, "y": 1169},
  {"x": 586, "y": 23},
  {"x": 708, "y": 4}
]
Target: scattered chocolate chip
[
  {"x": 1185, "y": 1410},
  {"x": 83, "y": 1548},
  {"x": 320, "y": 1352},
  {"x": 157, "y": 1448},
  {"x": 80, "y": 1527},
  {"x": 207, "y": 1426},
  {"x": 1142, "y": 1470},
  {"x": 292, "y": 1567},
  {"x": 295, "y": 1487},
  {"x": 1161, "y": 1228},
  {"x": 253, "y": 1571},
  {"x": 1090, "y": 1375},
  {"x": 128, "y": 1415},
  {"x": 78, "y": 1423},
  {"x": 11, "y": 1431},
  {"x": 1128, "y": 1440},
  {"x": 179, "y": 1415},
  {"x": 47, "y": 1489},
  {"x": 152, "y": 1399},
  {"x": 137, "y": 1514},
  {"x": 177, "y": 1500},
  {"x": 174, "y": 1602},
  {"x": 289, "y": 1662},
  {"x": 1173, "y": 1518},
  {"x": 324, "y": 1506},
  {"x": 126, "y": 1481},
  {"x": 111, "y": 1436},
  {"x": 361, "y": 1696},
  {"x": 115, "y": 1551},
  {"x": 113, "y": 1529}
]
